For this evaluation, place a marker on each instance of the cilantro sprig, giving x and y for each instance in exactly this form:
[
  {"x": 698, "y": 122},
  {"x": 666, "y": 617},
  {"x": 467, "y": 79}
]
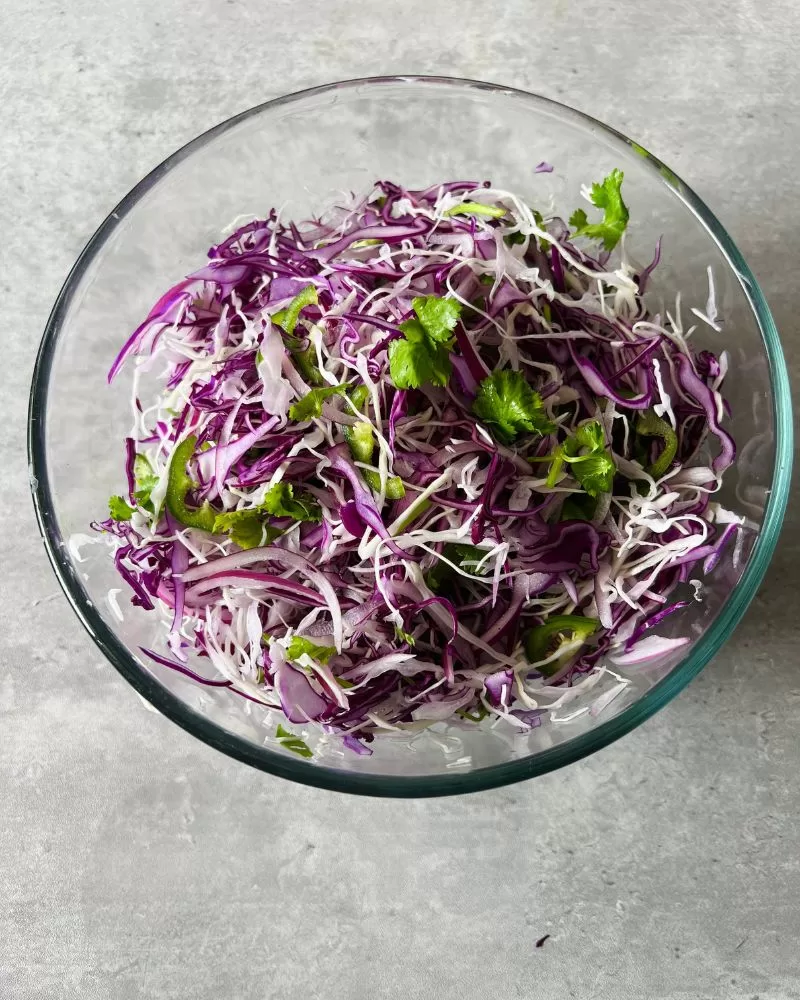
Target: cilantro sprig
[
  {"x": 120, "y": 509},
  {"x": 146, "y": 479},
  {"x": 589, "y": 460},
  {"x": 509, "y": 406},
  {"x": 280, "y": 501},
  {"x": 250, "y": 528},
  {"x": 606, "y": 195},
  {"x": 423, "y": 355},
  {"x": 247, "y": 528}
]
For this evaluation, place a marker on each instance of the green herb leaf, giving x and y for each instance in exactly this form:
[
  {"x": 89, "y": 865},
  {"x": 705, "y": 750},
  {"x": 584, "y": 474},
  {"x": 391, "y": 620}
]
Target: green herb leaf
[
  {"x": 438, "y": 317},
  {"x": 293, "y": 743},
  {"x": 412, "y": 365},
  {"x": 476, "y": 208},
  {"x": 280, "y": 501},
  {"x": 146, "y": 479},
  {"x": 247, "y": 528},
  {"x": 506, "y": 402},
  {"x": 595, "y": 473},
  {"x": 120, "y": 509},
  {"x": 311, "y": 404},
  {"x": 424, "y": 353},
  {"x": 608, "y": 196},
  {"x": 299, "y": 645},
  {"x": 287, "y": 318},
  {"x": 180, "y": 483},
  {"x": 589, "y": 435},
  {"x": 589, "y": 460}
]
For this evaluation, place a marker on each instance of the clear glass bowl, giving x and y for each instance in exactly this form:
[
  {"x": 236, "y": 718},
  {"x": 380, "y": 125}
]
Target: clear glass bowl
[{"x": 298, "y": 152}]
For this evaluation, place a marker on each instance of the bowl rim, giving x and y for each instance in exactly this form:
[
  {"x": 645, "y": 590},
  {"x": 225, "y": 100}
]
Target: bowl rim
[{"x": 389, "y": 785}]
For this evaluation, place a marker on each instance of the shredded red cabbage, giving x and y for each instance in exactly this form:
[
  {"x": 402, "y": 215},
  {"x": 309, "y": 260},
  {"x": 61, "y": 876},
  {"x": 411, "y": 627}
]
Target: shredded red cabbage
[{"x": 427, "y": 458}]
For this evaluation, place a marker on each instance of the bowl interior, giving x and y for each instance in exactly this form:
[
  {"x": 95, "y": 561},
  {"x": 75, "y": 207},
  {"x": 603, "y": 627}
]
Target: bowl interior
[{"x": 300, "y": 153}]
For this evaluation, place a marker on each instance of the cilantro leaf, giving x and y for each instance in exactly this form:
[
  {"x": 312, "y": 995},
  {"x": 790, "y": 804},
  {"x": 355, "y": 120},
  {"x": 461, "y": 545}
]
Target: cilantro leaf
[
  {"x": 287, "y": 318},
  {"x": 589, "y": 435},
  {"x": 608, "y": 196},
  {"x": 506, "y": 402},
  {"x": 146, "y": 479},
  {"x": 293, "y": 743},
  {"x": 143, "y": 472},
  {"x": 595, "y": 473},
  {"x": 413, "y": 364},
  {"x": 280, "y": 501},
  {"x": 579, "y": 220},
  {"x": 299, "y": 645},
  {"x": 476, "y": 208},
  {"x": 120, "y": 509},
  {"x": 247, "y": 528},
  {"x": 311, "y": 404},
  {"x": 438, "y": 317},
  {"x": 424, "y": 353},
  {"x": 589, "y": 460}
]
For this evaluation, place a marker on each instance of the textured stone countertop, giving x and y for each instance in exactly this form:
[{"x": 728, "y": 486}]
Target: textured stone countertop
[{"x": 137, "y": 863}]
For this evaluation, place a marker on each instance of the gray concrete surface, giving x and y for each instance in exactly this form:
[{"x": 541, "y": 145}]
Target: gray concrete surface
[{"x": 137, "y": 863}]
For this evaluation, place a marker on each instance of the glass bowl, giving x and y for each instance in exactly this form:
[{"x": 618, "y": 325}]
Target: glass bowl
[{"x": 299, "y": 152}]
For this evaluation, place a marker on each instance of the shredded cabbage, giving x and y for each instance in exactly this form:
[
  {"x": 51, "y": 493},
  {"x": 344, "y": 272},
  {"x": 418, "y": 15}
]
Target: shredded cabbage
[{"x": 428, "y": 458}]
